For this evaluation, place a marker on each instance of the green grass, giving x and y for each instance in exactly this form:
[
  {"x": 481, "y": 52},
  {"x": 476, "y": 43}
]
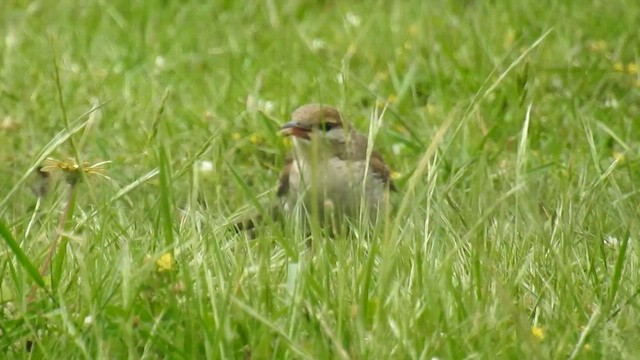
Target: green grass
[{"x": 513, "y": 126}]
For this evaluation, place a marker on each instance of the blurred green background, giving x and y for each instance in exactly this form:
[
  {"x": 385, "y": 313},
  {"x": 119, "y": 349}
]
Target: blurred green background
[{"x": 521, "y": 239}]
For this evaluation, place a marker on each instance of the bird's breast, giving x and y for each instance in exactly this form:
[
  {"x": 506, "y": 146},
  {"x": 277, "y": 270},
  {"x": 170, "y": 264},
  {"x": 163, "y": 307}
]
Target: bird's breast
[{"x": 335, "y": 181}]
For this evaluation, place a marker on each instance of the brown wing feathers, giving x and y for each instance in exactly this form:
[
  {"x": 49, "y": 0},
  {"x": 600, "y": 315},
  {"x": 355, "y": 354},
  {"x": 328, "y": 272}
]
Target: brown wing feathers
[{"x": 379, "y": 168}]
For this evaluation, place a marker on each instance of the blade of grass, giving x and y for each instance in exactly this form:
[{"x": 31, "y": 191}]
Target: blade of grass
[
  {"x": 164, "y": 166},
  {"x": 254, "y": 314},
  {"x": 121, "y": 193},
  {"x": 22, "y": 258},
  {"x": 618, "y": 269},
  {"x": 60, "y": 255},
  {"x": 165, "y": 196}
]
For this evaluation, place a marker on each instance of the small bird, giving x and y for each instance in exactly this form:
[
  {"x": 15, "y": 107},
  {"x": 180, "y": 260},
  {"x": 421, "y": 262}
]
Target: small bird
[
  {"x": 329, "y": 172},
  {"x": 329, "y": 168}
]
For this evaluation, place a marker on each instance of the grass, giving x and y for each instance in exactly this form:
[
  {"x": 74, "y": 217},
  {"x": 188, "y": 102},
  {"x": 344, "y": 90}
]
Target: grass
[{"x": 512, "y": 127}]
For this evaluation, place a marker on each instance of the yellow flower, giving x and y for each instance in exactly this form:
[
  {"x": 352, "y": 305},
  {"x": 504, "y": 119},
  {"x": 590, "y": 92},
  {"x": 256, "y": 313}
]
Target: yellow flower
[
  {"x": 618, "y": 67},
  {"x": 236, "y": 136},
  {"x": 414, "y": 30},
  {"x": 355, "y": 311},
  {"x": 587, "y": 347},
  {"x": 396, "y": 175},
  {"x": 509, "y": 38},
  {"x": 598, "y": 45},
  {"x": 391, "y": 99},
  {"x": 632, "y": 69},
  {"x": 382, "y": 75},
  {"x": 352, "y": 49},
  {"x": 618, "y": 157},
  {"x": 255, "y": 139},
  {"x": 165, "y": 262},
  {"x": 537, "y": 332},
  {"x": 73, "y": 170},
  {"x": 70, "y": 166}
]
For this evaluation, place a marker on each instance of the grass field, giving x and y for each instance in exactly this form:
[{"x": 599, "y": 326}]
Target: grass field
[{"x": 512, "y": 127}]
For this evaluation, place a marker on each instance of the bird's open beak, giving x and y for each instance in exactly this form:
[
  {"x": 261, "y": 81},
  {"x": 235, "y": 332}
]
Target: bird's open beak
[{"x": 294, "y": 128}]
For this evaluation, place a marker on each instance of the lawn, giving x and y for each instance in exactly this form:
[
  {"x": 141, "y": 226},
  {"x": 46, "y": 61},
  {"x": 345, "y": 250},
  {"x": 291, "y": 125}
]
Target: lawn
[{"x": 512, "y": 129}]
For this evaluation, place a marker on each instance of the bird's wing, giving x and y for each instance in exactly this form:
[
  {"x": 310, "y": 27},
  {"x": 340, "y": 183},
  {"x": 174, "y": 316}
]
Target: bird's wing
[
  {"x": 357, "y": 150},
  {"x": 380, "y": 169}
]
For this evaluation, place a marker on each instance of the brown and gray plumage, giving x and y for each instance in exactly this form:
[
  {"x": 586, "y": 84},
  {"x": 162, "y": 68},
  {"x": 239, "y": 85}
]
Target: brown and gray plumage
[
  {"x": 329, "y": 168},
  {"x": 329, "y": 165}
]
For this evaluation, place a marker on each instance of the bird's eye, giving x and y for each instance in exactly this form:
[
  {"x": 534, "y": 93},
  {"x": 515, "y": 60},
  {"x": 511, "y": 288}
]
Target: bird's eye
[{"x": 326, "y": 126}]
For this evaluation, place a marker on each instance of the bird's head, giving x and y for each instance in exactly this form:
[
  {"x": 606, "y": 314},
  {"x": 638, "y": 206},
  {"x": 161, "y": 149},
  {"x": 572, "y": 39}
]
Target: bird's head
[{"x": 315, "y": 126}]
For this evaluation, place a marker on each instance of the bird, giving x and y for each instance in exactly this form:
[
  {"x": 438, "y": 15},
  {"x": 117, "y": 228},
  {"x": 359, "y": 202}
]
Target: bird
[{"x": 330, "y": 172}]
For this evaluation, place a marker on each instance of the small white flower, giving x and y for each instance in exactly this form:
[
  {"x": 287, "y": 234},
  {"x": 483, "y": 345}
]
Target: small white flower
[
  {"x": 256, "y": 104},
  {"x": 33, "y": 7},
  {"x": 293, "y": 270},
  {"x": 252, "y": 103},
  {"x": 397, "y": 148},
  {"x": 160, "y": 62},
  {"x": 611, "y": 103},
  {"x": 353, "y": 19},
  {"x": 611, "y": 241},
  {"x": 88, "y": 320},
  {"x": 267, "y": 106},
  {"x": 11, "y": 40},
  {"x": 317, "y": 44},
  {"x": 205, "y": 166}
]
